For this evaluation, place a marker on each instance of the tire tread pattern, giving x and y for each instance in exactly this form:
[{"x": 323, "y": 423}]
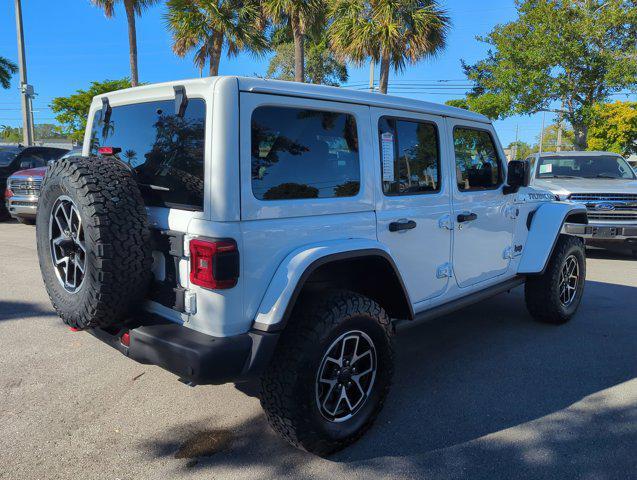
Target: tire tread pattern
[
  {"x": 540, "y": 292},
  {"x": 117, "y": 236},
  {"x": 315, "y": 317}
]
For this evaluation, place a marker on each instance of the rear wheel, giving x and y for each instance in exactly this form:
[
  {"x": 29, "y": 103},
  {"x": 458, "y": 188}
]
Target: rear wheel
[
  {"x": 93, "y": 241},
  {"x": 331, "y": 372},
  {"x": 554, "y": 296}
]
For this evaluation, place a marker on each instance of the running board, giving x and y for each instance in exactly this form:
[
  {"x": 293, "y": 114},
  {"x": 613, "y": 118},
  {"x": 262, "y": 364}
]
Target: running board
[{"x": 459, "y": 303}]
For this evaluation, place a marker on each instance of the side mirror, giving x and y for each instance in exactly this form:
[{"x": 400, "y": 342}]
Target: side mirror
[
  {"x": 26, "y": 164},
  {"x": 519, "y": 175}
]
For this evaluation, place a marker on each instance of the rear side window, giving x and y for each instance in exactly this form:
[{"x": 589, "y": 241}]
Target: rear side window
[
  {"x": 165, "y": 151},
  {"x": 299, "y": 153},
  {"x": 410, "y": 157},
  {"x": 477, "y": 163}
]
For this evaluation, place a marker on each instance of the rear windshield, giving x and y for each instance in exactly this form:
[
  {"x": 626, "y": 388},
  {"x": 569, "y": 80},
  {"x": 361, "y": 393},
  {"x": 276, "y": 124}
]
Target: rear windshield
[
  {"x": 6, "y": 158},
  {"x": 165, "y": 151},
  {"x": 593, "y": 166}
]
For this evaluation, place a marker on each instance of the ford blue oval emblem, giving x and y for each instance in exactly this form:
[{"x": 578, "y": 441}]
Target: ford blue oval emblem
[{"x": 605, "y": 206}]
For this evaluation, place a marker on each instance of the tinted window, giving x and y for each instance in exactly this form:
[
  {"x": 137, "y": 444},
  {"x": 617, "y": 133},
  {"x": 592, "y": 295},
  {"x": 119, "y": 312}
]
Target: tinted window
[
  {"x": 303, "y": 154},
  {"x": 594, "y": 166},
  {"x": 477, "y": 162},
  {"x": 410, "y": 159},
  {"x": 6, "y": 158},
  {"x": 40, "y": 156},
  {"x": 165, "y": 151}
]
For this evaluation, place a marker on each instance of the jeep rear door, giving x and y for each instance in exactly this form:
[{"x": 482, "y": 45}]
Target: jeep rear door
[
  {"x": 484, "y": 215},
  {"x": 412, "y": 204},
  {"x": 164, "y": 144}
]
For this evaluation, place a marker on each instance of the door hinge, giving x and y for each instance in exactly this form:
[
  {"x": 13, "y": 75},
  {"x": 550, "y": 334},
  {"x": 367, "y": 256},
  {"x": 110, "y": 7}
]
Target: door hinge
[
  {"x": 444, "y": 271},
  {"x": 446, "y": 222},
  {"x": 512, "y": 252},
  {"x": 190, "y": 302}
]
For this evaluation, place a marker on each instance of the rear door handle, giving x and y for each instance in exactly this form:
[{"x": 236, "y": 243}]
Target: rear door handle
[
  {"x": 402, "y": 225},
  {"x": 467, "y": 217}
]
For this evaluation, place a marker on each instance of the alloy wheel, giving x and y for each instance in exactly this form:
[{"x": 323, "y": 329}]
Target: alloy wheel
[
  {"x": 569, "y": 280},
  {"x": 67, "y": 241},
  {"x": 346, "y": 376}
]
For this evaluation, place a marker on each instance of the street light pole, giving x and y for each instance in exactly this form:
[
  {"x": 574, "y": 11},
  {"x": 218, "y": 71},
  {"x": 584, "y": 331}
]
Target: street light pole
[{"x": 26, "y": 90}]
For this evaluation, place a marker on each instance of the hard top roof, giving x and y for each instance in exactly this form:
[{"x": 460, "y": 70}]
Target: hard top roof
[{"x": 319, "y": 92}]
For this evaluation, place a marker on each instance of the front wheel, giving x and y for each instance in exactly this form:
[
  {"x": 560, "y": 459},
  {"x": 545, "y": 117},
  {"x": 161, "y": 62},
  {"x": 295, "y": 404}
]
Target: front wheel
[
  {"x": 331, "y": 372},
  {"x": 554, "y": 296}
]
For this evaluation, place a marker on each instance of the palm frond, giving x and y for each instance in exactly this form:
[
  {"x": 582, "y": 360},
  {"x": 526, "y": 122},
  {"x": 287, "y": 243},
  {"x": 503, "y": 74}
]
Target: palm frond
[{"x": 7, "y": 70}]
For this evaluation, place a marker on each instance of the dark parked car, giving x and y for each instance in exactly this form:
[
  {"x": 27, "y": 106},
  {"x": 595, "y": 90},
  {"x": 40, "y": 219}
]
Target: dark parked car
[
  {"x": 14, "y": 159},
  {"x": 23, "y": 191}
]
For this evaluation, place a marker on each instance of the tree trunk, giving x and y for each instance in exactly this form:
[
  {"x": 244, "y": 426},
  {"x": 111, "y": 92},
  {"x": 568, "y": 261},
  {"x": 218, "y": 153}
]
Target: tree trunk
[
  {"x": 384, "y": 71},
  {"x": 132, "y": 41},
  {"x": 215, "y": 54},
  {"x": 581, "y": 136},
  {"x": 299, "y": 50}
]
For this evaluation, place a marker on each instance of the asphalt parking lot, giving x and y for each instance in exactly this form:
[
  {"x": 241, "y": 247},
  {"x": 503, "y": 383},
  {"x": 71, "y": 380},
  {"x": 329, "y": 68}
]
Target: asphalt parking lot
[{"x": 485, "y": 393}]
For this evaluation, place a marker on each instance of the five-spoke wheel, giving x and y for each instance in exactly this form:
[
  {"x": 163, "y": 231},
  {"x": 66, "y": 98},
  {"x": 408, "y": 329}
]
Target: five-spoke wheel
[
  {"x": 346, "y": 376},
  {"x": 569, "y": 280},
  {"x": 68, "y": 249}
]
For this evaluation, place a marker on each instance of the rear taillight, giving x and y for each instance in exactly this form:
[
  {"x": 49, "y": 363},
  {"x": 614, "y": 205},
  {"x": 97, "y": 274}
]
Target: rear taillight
[{"x": 214, "y": 264}]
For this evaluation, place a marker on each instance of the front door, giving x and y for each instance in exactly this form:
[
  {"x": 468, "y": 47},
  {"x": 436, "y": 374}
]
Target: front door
[
  {"x": 413, "y": 211},
  {"x": 484, "y": 216}
]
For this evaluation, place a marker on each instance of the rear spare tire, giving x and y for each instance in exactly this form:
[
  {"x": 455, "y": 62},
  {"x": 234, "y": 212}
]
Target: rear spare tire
[{"x": 93, "y": 241}]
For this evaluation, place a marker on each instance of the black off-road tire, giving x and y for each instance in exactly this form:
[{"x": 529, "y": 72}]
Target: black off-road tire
[
  {"x": 288, "y": 387},
  {"x": 117, "y": 241},
  {"x": 4, "y": 213},
  {"x": 26, "y": 220},
  {"x": 542, "y": 292}
]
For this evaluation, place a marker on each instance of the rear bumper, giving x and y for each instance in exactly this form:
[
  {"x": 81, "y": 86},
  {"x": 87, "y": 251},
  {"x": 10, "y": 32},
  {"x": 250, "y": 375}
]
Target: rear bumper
[
  {"x": 602, "y": 231},
  {"x": 195, "y": 357},
  {"x": 22, "y": 206}
]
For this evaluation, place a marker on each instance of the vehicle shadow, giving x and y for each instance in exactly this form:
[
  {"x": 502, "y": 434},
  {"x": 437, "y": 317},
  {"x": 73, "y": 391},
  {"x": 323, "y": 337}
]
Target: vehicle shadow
[
  {"x": 483, "y": 370},
  {"x": 603, "y": 254},
  {"x": 15, "y": 310}
]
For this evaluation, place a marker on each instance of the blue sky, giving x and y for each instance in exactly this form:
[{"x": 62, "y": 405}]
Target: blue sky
[{"x": 70, "y": 43}]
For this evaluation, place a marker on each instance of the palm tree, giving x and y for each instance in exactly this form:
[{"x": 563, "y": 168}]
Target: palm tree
[
  {"x": 132, "y": 7},
  {"x": 300, "y": 16},
  {"x": 392, "y": 32},
  {"x": 208, "y": 26},
  {"x": 7, "y": 70}
]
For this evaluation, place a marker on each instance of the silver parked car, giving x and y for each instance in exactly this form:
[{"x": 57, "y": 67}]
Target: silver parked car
[{"x": 605, "y": 182}]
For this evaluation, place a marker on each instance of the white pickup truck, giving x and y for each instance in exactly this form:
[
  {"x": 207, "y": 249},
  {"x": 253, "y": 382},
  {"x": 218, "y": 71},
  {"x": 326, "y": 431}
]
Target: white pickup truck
[{"x": 229, "y": 229}]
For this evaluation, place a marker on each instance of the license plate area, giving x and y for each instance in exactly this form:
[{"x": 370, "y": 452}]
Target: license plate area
[{"x": 604, "y": 232}]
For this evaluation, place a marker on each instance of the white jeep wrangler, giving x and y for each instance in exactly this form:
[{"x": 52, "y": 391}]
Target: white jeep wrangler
[{"x": 229, "y": 229}]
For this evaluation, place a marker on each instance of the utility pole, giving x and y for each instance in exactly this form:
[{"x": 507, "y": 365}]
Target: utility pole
[
  {"x": 542, "y": 132},
  {"x": 560, "y": 117},
  {"x": 26, "y": 90},
  {"x": 515, "y": 149},
  {"x": 371, "y": 75}
]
